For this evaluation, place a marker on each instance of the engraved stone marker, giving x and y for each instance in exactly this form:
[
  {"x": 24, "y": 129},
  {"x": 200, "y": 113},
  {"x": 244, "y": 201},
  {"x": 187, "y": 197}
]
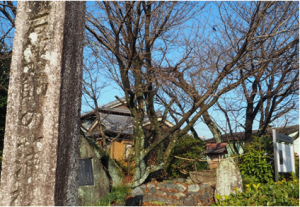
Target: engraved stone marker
[
  {"x": 228, "y": 178},
  {"x": 85, "y": 174},
  {"x": 41, "y": 145},
  {"x": 93, "y": 181}
]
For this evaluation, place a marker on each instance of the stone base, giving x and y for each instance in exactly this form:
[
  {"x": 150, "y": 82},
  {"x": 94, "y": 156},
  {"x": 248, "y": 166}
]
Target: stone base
[{"x": 172, "y": 192}]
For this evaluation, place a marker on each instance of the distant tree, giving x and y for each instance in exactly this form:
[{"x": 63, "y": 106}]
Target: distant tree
[{"x": 273, "y": 91}]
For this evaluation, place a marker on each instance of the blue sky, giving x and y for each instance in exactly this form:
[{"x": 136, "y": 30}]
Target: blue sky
[{"x": 108, "y": 94}]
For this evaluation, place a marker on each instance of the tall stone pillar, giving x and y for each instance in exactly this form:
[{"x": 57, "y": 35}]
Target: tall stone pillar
[{"x": 41, "y": 144}]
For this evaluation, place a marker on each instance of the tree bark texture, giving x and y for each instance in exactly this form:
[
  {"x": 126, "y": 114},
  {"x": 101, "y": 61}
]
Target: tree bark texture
[{"x": 41, "y": 145}]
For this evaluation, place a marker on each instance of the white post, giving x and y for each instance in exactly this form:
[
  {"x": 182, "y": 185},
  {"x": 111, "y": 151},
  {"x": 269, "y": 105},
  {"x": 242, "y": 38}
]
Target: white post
[
  {"x": 275, "y": 154},
  {"x": 293, "y": 158}
]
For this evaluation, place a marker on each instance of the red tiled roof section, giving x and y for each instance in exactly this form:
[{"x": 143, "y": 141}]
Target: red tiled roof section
[{"x": 215, "y": 148}]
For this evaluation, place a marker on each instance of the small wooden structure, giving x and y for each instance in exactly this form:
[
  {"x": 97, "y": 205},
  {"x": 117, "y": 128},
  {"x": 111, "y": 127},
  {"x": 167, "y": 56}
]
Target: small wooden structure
[{"x": 215, "y": 153}]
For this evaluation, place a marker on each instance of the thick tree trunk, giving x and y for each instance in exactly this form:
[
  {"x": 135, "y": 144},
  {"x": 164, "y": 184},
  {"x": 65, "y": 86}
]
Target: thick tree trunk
[
  {"x": 249, "y": 123},
  {"x": 212, "y": 126},
  {"x": 139, "y": 144}
]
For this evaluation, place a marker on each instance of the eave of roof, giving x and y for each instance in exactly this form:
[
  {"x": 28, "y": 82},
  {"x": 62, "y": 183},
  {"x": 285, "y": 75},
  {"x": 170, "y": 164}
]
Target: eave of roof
[
  {"x": 240, "y": 136},
  {"x": 215, "y": 151}
]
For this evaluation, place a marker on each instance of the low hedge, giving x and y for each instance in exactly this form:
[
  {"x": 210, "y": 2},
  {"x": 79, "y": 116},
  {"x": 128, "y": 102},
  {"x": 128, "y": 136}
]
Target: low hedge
[{"x": 281, "y": 193}]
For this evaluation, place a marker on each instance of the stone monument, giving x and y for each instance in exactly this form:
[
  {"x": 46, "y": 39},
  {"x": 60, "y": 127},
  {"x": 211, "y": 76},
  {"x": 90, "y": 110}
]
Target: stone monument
[
  {"x": 41, "y": 144},
  {"x": 228, "y": 178},
  {"x": 93, "y": 183}
]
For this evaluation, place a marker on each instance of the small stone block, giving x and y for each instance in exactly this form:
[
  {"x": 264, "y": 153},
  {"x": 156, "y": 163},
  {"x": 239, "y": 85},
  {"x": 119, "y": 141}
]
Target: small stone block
[
  {"x": 179, "y": 195},
  {"x": 179, "y": 180},
  {"x": 161, "y": 186},
  {"x": 152, "y": 190},
  {"x": 171, "y": 201},
  {"x": 150, "y": 185},
  {"x": 152, "y": 198},
  {"x": 137, "y": 191},
  {"x": 189, "y": 180},
  {"x": 204, "y": 186},
  {"x": 193, "y": 188},
  {"x": 143, "y": 187},
  {"x": 190, "y": 201},
  {"x": 161, "y": 199},
  {"x": 161, "y": 193},
  {"x": 171, "y": 186},
  {"x": 145, "y": 198},
  {"x": 180, "y": 187},
  {"x": 169, "y": 194},
  {"x": 181, "y": 201}
]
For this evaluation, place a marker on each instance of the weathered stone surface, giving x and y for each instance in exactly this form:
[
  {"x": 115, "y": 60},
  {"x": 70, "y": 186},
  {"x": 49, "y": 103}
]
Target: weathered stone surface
[
  {"x": 206, "y": 194},
  {"x": 181, "y": 201},
  {"x": 161, "y": 193},
  {"x": 192, "y": 193},
  {"x": 161, "y": 186},
  {"x": 180, "y": 187},
  {"x": 137, "y": 191},
  {"x": 193, "y": 188},
  {"x": 145, "y": 198},
  {"x": 205, "y": 176},
  {"x": 162, "y": 200},
  {"x": 92, "y": 193},
  {"x": 152, "y": 198},
  {"x": 171, "y": 186},
  {"x": 171, "y": 201},
  {"x": 150, "y": 185},
  {"x": 205, "y": 198},
  {"x": 179, "y": 180},
  {"x": 228, "y": 178},
  {"x": 189, "y": 180},
  {"x": 152, "y": 190},
  {"x": 179, "y": 195},
  {"x": 143, "y": 187},
  {"x": 204, "y": 187},
  {"x": 41, "y": 145},
  {"x": 170, "y": 194},
  {"x": 190, "y": 201}
]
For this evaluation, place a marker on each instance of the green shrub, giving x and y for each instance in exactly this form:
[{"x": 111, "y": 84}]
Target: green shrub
[
  {"x": 297, "y": 166},
  {"x": 282, "y": 193},
  {"x": 117, "y": 195},
  {"x": 254, "y": 165},
  {"x": 187, "y": 147}
]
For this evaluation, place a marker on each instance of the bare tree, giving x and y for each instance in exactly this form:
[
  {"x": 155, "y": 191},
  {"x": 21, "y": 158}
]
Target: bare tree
[
  {"x": 7, "y": 23},
  {"x": 157, "y": 51},
  {"x": 272, "y": 91},
  {"x": 7, "y": 18}
]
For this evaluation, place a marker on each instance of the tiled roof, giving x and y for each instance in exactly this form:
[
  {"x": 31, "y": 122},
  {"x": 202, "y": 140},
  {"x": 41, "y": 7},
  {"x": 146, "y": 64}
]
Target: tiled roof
[
  {"x": 114, "y": 119},
  {"x": 113, "y": 103},
  {"x": 215, "y": 148},
  {"x": 117, "y": 123},
  {"x": 106, "y": 108}
]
